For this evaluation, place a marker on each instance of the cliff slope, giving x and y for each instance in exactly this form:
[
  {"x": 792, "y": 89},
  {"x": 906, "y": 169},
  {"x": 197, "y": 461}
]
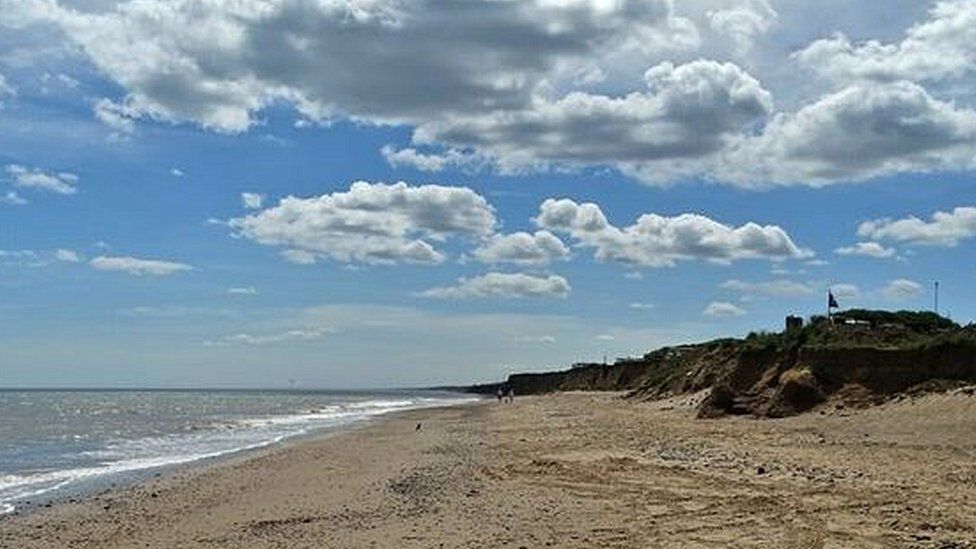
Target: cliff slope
[{"x": 862, "y": 358}]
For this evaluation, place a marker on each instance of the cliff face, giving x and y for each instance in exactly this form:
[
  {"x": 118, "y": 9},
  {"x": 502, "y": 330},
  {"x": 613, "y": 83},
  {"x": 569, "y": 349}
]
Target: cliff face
[
  {"x": 780, "y": 383},
  {"x": 889, "y": 371},
  {"x": 670, "y": 370},
  {"x": 771, "y": 381}
]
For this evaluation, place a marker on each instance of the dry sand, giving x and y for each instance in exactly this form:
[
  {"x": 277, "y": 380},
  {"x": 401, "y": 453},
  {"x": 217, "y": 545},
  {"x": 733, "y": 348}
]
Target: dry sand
[{"x": 570, "y": 470}]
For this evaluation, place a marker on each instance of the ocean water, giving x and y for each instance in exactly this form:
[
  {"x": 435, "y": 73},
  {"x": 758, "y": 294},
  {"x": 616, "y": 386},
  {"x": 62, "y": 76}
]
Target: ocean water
[{"x": 58, "y": 442}]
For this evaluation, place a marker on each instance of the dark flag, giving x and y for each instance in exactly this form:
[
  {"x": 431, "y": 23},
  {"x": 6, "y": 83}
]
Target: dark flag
[{"x": 831, "y": 302}]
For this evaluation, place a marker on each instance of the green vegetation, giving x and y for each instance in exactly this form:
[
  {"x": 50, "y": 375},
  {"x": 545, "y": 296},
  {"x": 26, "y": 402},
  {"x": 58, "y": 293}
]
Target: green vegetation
[
  {"x": 868, "y": 328},
  {"x": 917, "y": 321}
]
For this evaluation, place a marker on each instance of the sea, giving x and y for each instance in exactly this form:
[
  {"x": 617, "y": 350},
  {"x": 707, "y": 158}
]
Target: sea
[{"x": 55, "y": 444}]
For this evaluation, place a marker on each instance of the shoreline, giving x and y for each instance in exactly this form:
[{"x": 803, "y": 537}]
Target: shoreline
[
  {"x": 577, "y": 469},
  {"x": 103, "y": 483}
]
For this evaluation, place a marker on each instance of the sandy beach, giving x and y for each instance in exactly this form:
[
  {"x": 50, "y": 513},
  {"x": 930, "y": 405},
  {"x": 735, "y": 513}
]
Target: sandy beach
[{"x": 568, "y": 470}]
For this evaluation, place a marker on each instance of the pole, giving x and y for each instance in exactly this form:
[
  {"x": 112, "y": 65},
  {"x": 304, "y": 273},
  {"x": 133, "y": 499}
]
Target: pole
[{"x": 936, "y": 297}]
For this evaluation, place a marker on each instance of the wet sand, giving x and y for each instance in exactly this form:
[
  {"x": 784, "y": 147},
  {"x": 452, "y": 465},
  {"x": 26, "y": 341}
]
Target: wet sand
[{"x": 569, "y": 470}]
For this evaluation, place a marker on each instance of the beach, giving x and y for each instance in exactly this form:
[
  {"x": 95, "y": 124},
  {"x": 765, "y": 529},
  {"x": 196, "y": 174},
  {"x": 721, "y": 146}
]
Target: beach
[{"x": 564, "y": 470}]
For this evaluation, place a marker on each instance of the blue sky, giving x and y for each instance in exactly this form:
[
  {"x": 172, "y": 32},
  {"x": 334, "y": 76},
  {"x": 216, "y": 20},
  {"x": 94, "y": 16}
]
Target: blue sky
[{"x": 539, "y": 182}]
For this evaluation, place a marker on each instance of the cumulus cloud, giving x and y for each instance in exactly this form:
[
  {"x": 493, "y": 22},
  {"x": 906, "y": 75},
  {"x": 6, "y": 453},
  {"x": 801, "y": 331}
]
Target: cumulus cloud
[
  {"x": 773, "y": 288},
  {"x": 945, "y": 229},
  {"x": 431, "y": 161},
  {"x": 138, "y": 267},
  {"x": 506, "y": 285},
  {"x": 540, "y": 248},
  {"x": 659, "y": 241},
  {"x": 723, "y": 309},
  {"x": 866, "y": 249},
  {"x": 519, "y": 85},
  {"x": 370, "y": 223},
  {"x": 39, "y": 180},
  {"x": 372, "y": 59},
  {"x": 252, "y": 201},
  {"x": 942, "y": 47},
  {"x": 857, "y": 133},
  {"x": 902, "y": 290},
  {"x": 689, "y": 111},
  {"x": 743, "y": 22}
]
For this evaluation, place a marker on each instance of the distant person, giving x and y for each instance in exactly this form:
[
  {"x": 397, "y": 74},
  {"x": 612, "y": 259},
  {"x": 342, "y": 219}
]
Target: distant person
[
  {"x": 511, "y": 394},
  {"x": 499, "y": 394}
]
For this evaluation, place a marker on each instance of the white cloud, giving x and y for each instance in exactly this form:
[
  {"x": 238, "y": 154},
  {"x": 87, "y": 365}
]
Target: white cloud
[
  {"x": 540, "y": 248},
  {"x": 243, "y": 290},
  {"x": 902, "y": 290},
  {"x": 371, "y": 223},
  {"x": 723, "y": 309},
  {"x": 641, "y": 306},
  {"x": 544, "y": 84},
  {"x": 514, "y": 285},
  {"x": 431, "y": 162},
  {"x": 945, "y": 229},
  {"x": 138, "y": 267},
  {"x": 941, "y": 48},
  {"x": 774, "y": 288},
  {"x": 659, "y": 241},
  {"x": 604, "y": 337},
  {"x": 690, "y": 111},
  {"x": 867, "y": 249},
  {"x": 176, "y": 172},
  {"x": 119, "y": 117},
  {"x": 860, "y": 132},
  {"x": 67, "y": 256},
  {"x": 252, "y": 201},
  {"x": 304, "y": 334},
  {"x": 743, "y": 22},
  {"x": 12, "y": 198},
  {"x": 371, "y": 59},
  {"x": 36, "y": 179}
]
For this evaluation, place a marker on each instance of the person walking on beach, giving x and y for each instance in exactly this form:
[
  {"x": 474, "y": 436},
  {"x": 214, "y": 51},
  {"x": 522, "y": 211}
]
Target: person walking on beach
[
  {"x": 499, "y": 394},
  {"x": 511, "y": 394}
]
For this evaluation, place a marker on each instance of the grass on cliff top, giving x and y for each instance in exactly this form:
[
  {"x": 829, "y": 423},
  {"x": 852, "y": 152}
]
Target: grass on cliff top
[{"x": 878, "y": 329}]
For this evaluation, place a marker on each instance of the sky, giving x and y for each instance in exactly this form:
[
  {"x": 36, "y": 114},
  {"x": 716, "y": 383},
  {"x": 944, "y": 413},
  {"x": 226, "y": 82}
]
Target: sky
[{"x": 390, "y": 193}]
